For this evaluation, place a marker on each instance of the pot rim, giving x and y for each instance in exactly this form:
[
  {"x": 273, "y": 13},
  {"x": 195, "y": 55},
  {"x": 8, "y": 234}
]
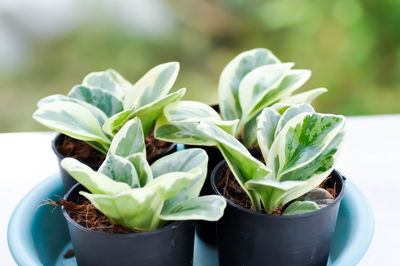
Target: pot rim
[
  {"x": 282, "y": 217},
  {"x": 62, "y": 156},
  {"x": 172, "y": 225}
]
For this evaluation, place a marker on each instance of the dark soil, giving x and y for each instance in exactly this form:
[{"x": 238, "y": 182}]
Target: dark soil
[
  {"x": 154, "y": 146},
  {"x": 80, "y": 150},
  {"x": 85, "y": 214},
  {"x": 229, "y": 187},
  {"x": 85, "y": 153}
]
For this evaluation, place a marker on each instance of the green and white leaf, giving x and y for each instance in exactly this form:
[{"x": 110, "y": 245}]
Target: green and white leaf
[
  {"x": 271, "y": 191},
  {"x": 267, "y": 122},
  {"x": 138, "y": 209},
  {"x": 184, "y": 161},
  {"x": 109, "y": 80},
  {"x": 322, "y": 166},
  {"x": 172, "y": 183},
  {"x": 290, "y": 113},
  {"x": 116, "y": 121},
  {"x": 259, "y": 84},
  {"x": 73, "y": 120},
  {"x": 208, "y": 208},
  {"x": 101, "y": 98},
  {"x": 148, "y": 114},
  {"x": 250, "y": 132},
  {"x": 301, "y": 141},
  {"x": 96, "y": 112},
  {"x": 181, "y": 132},
  {"x": 129, "y": 139},
  {"x": 95, "y": 182},
  {"x": 318, "y": 195},
  {"x": 179, "y": 121},
  {"x": 232, "y": 76},
  {"x": 300, "y": 207},
  {"x": 154, "y": 85},
  {"x": 142, "y": 167},
  {"x": 120, "y": 169},
  {"x": 305, "y": 97},
  {"x": 244, "y": 166}
]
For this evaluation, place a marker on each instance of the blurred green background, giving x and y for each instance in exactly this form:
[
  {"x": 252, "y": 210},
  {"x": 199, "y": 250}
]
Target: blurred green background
[{"x": 46, "y": 47}]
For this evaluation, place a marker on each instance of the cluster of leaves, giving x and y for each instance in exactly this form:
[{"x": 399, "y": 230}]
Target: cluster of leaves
[
  {"x": 253, "y": 80},
  {"x": 95, "y": 110},
  {"x": 141, "y": 197},
  {"x": 299, "y": 148}
]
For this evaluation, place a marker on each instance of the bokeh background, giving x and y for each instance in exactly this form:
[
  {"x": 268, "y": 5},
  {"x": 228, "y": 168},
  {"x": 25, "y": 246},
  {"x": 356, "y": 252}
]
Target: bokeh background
[{"x": 47, "y": 46}]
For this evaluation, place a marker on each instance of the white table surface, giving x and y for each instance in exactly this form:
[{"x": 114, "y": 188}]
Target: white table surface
[{"x": 370, "y": 158}]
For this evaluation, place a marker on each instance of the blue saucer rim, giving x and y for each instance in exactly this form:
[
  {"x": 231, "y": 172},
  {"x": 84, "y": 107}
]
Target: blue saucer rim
[{"x": 18, "y": 223}]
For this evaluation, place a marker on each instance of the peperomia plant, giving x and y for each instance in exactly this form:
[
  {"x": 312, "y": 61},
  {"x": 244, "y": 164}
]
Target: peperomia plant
[
  {"x": 95, "y": 110},
  {"x": 299, "y": 148},
  {"x": 141, "y": 197},
  {"x": 253, "y": 80}
]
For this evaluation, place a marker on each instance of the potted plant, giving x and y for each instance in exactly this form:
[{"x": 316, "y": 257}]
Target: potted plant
[
  {"x": 253, "y": 80},
  {"x": 93, "y": 112},
  {"x": 282, "y": 203},
  {"x": 132, "y": 213}
]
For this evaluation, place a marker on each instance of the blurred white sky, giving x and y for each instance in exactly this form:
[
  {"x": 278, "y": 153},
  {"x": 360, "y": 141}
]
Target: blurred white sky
[{"x": 24, "y": 23}]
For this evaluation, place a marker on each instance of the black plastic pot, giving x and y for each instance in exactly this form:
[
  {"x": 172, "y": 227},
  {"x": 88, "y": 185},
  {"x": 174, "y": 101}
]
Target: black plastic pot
[
  {"x": 248, "y": 238},
  {"x": 207, "y": 230},
  {"x": 68, "y": 181},
  {"x": 170, "y": 246}
]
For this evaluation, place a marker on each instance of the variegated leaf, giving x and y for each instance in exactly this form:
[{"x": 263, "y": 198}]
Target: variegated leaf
[
  {"x": 129, "y": 140},
  {"x": 321, "y": 167},
  {"x": 120, "y": 169},
  {"x": 293, "y": 80},
  {"x": 271, "y": 191},
  {"x": 301, "y": 141},
  {"x": 318, "y": 195},
  {"x": 95, "y": 182},
  {"x": 261, "y": 83},
  {"x": 116, "y": 122},
  {"x": 305, "y": 97},
  {"x": 300, "y": 207},
  {"x": 96, "y": 112},
  {"x": 137, "y": 209},
  {"x": 172, "y": 183},
  {"x": 233, "y": 74},
  {"x": 208, "y": 208},
  {"x": 181, "y": 132},
  {"x": 142, "y": 167},
  {"x": 153, "y": 86},
  {"x": 180, "y": 119},
  {"x": 266, "y": 126},
  {"x": 101, "y": 98},
  {"x": 244, "y": 166},
  {"x": 73, "y": 120},
  {"x": 289, "y": 114},
  {"x": 184, "y": 161},
  {"x": 250, "y": 133},
  {"x": 148, "y": 114},
  {"x": 109, "y": 80}
]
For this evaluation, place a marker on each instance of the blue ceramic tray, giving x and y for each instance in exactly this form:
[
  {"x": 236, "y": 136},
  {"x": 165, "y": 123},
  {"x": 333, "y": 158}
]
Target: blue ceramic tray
[{"x": 39, "y": 235}]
